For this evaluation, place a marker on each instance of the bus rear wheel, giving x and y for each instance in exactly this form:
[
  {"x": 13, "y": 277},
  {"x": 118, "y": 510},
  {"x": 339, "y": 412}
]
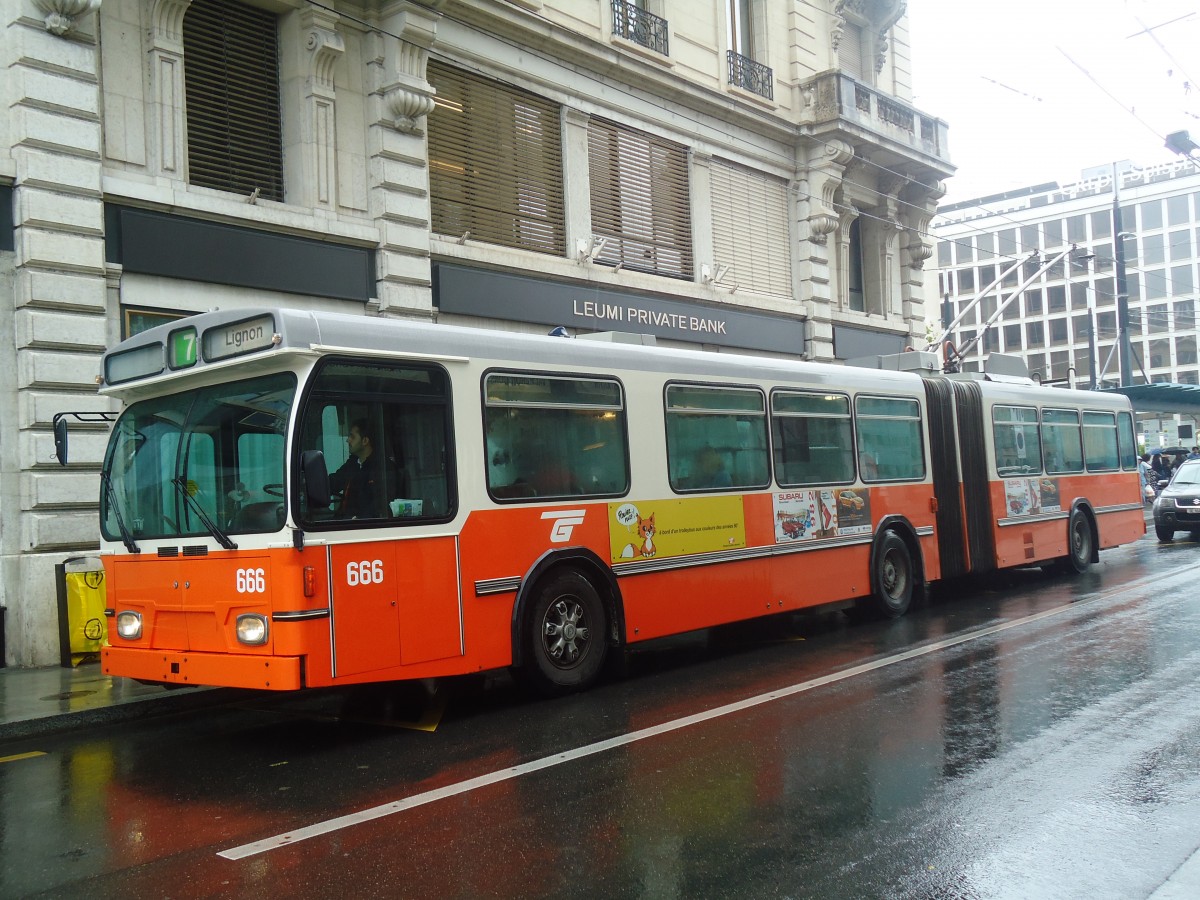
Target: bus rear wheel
[
  {"x": 893, "y": 577},
  {"x": 565, "y": 635},
  {"x": 1079, "y": 544}
]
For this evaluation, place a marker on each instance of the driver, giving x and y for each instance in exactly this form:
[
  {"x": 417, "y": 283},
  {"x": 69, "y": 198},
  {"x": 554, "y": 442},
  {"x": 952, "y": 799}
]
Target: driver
[{"x": 360, "y": 476}]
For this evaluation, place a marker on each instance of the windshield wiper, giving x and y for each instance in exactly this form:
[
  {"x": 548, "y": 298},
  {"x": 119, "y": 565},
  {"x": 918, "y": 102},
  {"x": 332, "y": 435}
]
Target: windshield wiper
[
  {"x": 111, "y": 495},
  {"x": 221, "y": 536}
]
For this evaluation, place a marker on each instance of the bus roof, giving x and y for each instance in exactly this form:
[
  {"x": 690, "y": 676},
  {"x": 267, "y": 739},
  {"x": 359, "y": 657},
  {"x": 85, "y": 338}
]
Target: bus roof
[{"x": 160, "y": 359}]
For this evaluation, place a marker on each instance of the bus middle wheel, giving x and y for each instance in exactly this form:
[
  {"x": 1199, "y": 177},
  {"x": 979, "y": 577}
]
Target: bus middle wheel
[
  {"x": 565, "y": 635},
  {"x": 893, "y": 577}
]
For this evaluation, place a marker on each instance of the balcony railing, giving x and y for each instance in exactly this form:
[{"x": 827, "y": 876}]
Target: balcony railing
[
  {"x": 635, "y": 24},
  {"x": 835, "y": 99},
  {"x": 750, "y": 75}
]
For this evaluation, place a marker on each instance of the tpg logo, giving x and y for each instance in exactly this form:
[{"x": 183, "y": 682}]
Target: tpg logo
[{"x": 565, "y": 521}]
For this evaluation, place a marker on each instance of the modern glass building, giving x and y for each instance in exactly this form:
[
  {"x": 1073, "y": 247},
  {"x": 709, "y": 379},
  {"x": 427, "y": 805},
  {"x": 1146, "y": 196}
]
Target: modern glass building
[{"x": 1065, "y": 322}]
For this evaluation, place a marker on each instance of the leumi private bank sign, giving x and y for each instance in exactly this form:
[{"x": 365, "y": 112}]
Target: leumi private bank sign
[{"x": 478, "y": 292}]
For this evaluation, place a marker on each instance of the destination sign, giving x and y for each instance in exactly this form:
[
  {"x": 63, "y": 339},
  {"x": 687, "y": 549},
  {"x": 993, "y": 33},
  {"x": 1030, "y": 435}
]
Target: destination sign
[
  {"x": 138, "y": 362},
  {"x": 246, "y": 336}
]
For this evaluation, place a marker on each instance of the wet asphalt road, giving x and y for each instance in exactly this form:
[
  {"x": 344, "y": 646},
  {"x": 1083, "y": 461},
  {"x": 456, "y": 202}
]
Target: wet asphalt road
[{"x": 1034, "y": 736}]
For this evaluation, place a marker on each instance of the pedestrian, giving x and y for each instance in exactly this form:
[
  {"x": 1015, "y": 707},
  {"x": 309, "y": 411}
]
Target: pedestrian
[
  {"x": 1195, "y": 454},
  {"x": 1146, "y": 474}
]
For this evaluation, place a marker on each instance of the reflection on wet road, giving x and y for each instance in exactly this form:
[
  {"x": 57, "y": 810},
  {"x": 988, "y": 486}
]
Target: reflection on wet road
[{"x": 1036, "y": 736}]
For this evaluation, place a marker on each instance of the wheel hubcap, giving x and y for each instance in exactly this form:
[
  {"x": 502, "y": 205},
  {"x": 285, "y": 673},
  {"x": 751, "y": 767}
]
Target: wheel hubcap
[
  {"x": 565, "y": 632},
  {"x": 894, "y": 577}
]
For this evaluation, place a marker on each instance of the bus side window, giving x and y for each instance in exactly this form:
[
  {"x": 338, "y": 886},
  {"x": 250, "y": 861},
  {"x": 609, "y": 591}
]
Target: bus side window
[
  {"x": 1061, "y": 443},
  {"x": 812, "y": 438},
  {"x": 554, "y": 436},
  {"x": 890, "y": 434},
  {"x": 716, "y": 438}
]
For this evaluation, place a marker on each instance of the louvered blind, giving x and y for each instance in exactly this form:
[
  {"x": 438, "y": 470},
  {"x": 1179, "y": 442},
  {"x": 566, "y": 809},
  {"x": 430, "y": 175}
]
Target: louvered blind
[
  {"x": 640, "y": 200},
  {"x": 751, "y": 232},
  {"x": 495, "y": 163},
  {"x": 850, "y": 55},
  {"x": 231, "y": 74}
]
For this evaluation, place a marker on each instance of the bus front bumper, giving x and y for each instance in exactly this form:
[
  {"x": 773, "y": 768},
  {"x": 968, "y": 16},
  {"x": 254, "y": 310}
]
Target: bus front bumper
[{"x": 270, "y": 673}]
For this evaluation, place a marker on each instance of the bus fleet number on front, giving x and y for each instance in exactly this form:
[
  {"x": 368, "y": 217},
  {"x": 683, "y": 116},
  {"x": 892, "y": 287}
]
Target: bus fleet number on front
[
  {"x": 365, "y": 572},
  {"x": 251, "y": 581}
]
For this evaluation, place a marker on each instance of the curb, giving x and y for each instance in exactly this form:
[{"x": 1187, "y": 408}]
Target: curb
[{"x": 134, "y": 709}]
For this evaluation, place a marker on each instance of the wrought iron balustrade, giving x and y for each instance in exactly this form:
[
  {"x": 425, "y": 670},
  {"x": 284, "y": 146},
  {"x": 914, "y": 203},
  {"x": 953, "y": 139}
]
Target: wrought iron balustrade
[
  {"x": 633, "y": 23},
  {"x": 751, "y": 75}
]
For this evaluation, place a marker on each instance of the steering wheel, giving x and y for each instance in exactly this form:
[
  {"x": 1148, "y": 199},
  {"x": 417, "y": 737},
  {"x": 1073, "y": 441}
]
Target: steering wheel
[{"x": 275, "y": 490}]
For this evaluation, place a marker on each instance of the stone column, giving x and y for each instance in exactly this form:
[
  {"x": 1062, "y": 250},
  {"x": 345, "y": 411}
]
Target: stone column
[
  {"x": 310, "y": 143},
  {"x": 576, "y": 179},
  {"x": 823, "y": 166},
  {"x": 168, "y": 95},
  {"x": 52, "y": 321},
  {"x": 918, "y": 206},
  {"x": 399, "y": 166}
]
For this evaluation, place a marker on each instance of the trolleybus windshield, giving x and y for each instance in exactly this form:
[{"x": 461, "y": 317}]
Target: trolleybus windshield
[{"x": 204, "y": 462}]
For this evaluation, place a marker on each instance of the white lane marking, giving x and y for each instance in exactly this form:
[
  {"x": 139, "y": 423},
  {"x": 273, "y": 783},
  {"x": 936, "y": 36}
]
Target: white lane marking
[{"x": 546, "y": 762}]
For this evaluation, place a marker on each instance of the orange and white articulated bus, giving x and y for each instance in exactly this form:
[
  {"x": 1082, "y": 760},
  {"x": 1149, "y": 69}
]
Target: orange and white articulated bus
[{"x": 299, "y": 499}]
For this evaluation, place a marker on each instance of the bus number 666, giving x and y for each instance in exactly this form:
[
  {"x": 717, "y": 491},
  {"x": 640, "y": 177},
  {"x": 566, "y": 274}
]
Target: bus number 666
[
  {"x": 251, "y": 581},
  {"x": 364, "y": 572}
]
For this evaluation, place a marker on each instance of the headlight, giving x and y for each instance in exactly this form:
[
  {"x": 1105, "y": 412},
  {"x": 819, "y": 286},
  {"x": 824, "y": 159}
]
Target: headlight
[
  {"x": 1165, "y": 501},
  {"x": 129, "y": 625},
  {"x": 252, "y": 628}
]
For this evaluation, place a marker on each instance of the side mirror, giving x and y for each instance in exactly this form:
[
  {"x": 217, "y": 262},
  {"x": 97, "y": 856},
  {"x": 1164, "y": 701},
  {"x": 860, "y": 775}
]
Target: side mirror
[
  {"x": 316, "y": 477},
  {"x": 60, "y": 438}
]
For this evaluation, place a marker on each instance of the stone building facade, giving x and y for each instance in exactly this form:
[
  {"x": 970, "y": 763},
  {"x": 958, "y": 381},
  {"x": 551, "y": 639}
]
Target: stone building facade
[{"x": 474, "y": 161}]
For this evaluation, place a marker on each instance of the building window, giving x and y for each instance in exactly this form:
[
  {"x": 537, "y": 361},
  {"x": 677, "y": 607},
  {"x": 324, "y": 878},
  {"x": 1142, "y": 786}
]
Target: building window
[
  {"x": 751, "y": 233},
  {"x": 640, "y": 200},
  {"x": 1012, "y": 338},
  {"x": 633, "y": 22},
  {"x": 1185, "y": 351},
  {"x": 1177, "y": 210},
  {"x": 495, "y": 163},
  {"x": 745, "y": 49},
  {"x": 135, "y": 320},
  {"x": 231, "y": 80},
  {"x": 1058, "y": 331},
  {"x": 1151, "y": 213},
  {"x": 854, "y": 270}
]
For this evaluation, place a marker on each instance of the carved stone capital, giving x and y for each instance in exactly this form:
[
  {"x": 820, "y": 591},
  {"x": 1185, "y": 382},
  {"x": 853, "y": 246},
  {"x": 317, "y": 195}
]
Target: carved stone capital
[
  {"x": 324, "y": 43},
  {"x": 918, "y": 251},
  {"x": 821, "y": 225},
  {"x": 61, "y": 14},
  {"x": 166, "y": 23},
  {"x": 409, "y": 101},
  {"x": 406, "y": 93}
]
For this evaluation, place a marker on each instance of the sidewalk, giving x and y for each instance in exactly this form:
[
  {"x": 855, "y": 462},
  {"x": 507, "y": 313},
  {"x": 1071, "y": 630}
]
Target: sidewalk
[{"x": 52, "y": 698}]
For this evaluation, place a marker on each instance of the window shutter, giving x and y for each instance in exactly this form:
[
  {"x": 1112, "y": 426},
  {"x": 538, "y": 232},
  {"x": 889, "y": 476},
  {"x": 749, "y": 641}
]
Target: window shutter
[
  {"x": 751, "y": 229},
  {"x": 231, "y": 76},
  {"x": 495, "y": 163},
  {"x": 850, "y": 55},
  {"x": 640, "y": 200}
]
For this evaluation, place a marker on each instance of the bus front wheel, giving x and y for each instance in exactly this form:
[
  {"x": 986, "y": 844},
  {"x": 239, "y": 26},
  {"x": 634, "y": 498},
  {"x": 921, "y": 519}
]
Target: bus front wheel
[
  {"x": 893, "y": 577},
  {"x": 565, "y": 635}
]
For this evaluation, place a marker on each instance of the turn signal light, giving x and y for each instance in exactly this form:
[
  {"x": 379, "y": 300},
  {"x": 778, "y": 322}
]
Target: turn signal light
[{"x": 310, "y": 581}]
